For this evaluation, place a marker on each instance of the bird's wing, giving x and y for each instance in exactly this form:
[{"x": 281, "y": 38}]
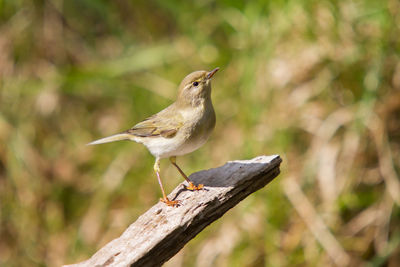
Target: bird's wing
[{"x": 165, "y": 124}]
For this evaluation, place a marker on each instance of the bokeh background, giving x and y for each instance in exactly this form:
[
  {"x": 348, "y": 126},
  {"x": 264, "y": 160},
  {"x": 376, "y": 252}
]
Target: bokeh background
[{"x": 317, "y": 82}]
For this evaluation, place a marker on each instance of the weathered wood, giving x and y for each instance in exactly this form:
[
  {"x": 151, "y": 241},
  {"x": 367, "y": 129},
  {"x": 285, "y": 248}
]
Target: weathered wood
[{"x": 162, "y": 231}]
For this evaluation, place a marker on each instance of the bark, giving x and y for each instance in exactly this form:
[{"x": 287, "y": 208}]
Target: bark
[{"x": 162, "y": 231}]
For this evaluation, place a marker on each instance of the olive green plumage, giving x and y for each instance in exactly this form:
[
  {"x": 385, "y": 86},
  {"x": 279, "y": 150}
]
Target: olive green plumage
[{"x": 180, "y": 128}]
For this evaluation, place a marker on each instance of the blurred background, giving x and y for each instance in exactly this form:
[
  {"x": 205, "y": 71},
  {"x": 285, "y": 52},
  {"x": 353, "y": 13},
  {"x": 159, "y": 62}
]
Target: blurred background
[{"x": 317, "y": 82}]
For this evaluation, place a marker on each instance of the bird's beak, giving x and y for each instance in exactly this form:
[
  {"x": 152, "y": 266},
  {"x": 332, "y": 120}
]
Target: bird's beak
[{"x": 211, "y": 73}]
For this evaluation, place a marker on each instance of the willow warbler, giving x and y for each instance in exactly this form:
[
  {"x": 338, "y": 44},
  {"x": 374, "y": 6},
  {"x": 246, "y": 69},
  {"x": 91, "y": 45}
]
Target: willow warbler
[{"x": 177, "y": 130}]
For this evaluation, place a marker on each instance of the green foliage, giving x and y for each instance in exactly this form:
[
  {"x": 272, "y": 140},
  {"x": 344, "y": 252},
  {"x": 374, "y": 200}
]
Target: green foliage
[{"x": 314, "y": 81}]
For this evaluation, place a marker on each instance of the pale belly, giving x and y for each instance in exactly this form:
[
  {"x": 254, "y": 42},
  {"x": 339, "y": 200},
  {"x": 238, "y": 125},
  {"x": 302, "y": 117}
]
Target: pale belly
[{"x": 161, "y": 147}]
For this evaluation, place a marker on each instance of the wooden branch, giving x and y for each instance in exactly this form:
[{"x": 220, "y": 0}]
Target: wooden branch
[{"x": 162, "y": 231}]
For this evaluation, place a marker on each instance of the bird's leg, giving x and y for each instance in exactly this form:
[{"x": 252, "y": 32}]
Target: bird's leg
[
  {"x": 165, "y": 198},
  {"x": 191, "y": 185}
]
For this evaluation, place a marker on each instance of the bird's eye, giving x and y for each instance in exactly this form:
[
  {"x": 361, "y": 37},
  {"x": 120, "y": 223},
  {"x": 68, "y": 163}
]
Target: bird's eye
[{"x": 195, "y": 83}]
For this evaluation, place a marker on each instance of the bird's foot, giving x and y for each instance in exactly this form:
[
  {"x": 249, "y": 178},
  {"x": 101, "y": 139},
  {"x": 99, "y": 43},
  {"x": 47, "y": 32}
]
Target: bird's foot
[
  {"x": 193, "y": 187},
  {"x": 172, "y": 203}
]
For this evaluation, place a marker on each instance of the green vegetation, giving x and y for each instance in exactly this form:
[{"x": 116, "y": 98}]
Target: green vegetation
[{"x": 317, "y": 82}]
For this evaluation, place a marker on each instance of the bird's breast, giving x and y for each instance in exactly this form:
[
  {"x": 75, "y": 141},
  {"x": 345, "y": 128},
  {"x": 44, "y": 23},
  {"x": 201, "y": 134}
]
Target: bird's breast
[{"x": 198, "y": 127}]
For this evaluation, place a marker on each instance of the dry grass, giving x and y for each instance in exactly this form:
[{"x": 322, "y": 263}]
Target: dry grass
[{"x": 317, "y": 82}]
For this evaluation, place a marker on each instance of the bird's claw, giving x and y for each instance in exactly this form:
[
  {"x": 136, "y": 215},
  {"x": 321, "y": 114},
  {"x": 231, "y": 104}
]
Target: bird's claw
[
  {"x": 171, "y": 203},
  {"x": 193, "y": 187}
]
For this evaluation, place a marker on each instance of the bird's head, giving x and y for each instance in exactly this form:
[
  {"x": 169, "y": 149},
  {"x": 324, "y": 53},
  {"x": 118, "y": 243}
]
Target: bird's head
[{"x": 195, "y": 87}]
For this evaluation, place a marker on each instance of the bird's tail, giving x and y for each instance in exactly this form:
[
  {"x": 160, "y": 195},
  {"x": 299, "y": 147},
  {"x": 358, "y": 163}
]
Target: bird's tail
[{"x": 112, "y": 138}]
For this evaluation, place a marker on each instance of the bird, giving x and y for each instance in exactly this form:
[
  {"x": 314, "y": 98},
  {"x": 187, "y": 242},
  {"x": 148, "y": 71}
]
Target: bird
[{"x": 179, "y": 129}]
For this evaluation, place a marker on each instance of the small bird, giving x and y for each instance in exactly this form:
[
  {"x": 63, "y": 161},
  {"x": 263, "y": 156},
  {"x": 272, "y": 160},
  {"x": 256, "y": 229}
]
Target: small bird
[{"x": 179, "y": 129}]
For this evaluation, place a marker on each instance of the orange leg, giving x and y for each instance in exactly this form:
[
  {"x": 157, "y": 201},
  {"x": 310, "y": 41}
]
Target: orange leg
[
  {"x": 173, "y": 203},
  {"x": 191, "y": 185}
]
